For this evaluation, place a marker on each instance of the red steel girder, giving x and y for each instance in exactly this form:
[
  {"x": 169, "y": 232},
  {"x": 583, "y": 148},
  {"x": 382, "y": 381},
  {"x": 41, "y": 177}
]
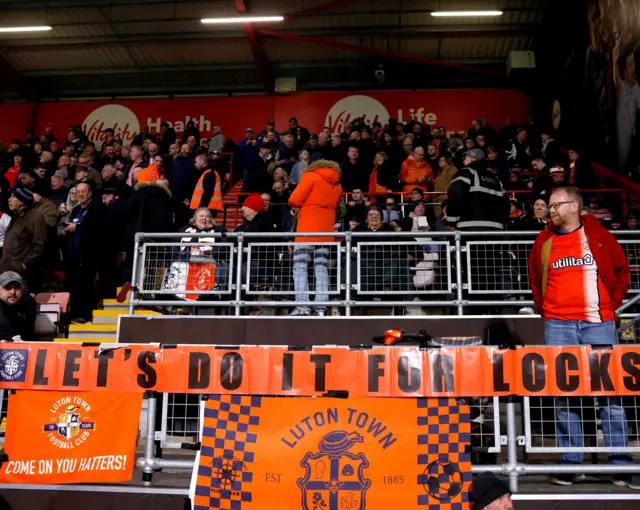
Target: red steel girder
[{"x": 257, "y": 48}]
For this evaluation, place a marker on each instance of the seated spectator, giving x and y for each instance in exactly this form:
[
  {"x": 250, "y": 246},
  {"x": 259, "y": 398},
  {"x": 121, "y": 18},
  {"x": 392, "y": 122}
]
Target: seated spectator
[
  {"x": 515, "y": 183},
  {"x": 17, "y": 309},
  {"x": 353, "y": 223},
  {"x": 515, "y": 214},
  {"x": 631, "y": 222},
  {"x": 280, "y": 175},
  {"x": 384, "y": 178},
  {"x": 317, "y": 197},
  {"x": 390, "y": 213},
  {"x": 356, "y": 205},
  {"x": 416, "y": 172},
  {"x": 539, "y": 218},
  {"x": 25, "y": 239},
  {"x": 598, "y": 211},
  {"x": 296, "y": 171},
  {"x": 374, "y": 222}
]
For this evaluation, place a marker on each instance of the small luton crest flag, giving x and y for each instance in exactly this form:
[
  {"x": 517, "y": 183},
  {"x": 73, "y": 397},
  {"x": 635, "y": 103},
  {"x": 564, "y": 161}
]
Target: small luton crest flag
[{"x": 332, "y": 454}]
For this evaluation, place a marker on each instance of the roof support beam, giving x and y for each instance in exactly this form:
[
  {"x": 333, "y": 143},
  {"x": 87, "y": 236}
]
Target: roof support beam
[
  {"x": 418, "y": 31},
  {"x": 257, "y": 48},
  {"x": 383, "y": 53}
]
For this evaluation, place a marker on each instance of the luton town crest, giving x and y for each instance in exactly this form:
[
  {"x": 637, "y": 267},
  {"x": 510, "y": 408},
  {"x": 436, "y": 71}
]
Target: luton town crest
[{"x": 335, "y": 476}]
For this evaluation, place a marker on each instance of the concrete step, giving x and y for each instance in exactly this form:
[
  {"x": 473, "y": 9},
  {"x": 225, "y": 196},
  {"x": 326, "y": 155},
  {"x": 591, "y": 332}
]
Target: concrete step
[
  {"x": 90, "y": 330},
  {"x": 112, "y": 304},
  {"x": 110, "y": 315},
  {"x": 79, "y": 340}
]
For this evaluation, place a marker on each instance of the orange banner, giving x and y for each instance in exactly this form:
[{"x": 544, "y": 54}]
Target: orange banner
[
  {"x": 76, "y": 437},
  {"x": 332, "y": 454},
  {"x": 274, "y": 370}
]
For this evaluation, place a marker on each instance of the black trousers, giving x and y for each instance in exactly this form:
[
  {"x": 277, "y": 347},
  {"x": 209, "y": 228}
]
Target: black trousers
[{"x": 81, "y": 284}]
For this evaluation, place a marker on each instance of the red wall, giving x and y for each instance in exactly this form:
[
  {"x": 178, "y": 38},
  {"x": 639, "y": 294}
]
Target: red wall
[
  {"x": 451, "y": 108},
  {"x": 15, "y": 120}
]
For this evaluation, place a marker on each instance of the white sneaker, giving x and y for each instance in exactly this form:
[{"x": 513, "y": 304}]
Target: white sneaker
[
  {"x": 299, "y": 312},
  {"x": 319, "y": 313}
]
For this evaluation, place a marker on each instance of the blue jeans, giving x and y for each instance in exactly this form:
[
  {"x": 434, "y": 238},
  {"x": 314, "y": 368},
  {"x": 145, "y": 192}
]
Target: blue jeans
[
  {"x": 302, "y": 255},
  {"x": 612, "y": 415}
]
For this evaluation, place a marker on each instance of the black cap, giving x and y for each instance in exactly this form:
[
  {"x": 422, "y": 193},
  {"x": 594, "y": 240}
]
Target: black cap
[
  {"x": 487, "y": 488},
  {"x": 293, "y": 118}
]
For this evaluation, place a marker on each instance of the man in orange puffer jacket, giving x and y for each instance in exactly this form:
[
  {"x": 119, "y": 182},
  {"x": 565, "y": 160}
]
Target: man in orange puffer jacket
[
  {"x": 316, "y": 197},
  {"x": 416, "y": 172}
]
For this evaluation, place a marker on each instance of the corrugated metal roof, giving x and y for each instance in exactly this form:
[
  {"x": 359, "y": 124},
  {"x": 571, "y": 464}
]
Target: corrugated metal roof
[{"x": 406, "y": 29}]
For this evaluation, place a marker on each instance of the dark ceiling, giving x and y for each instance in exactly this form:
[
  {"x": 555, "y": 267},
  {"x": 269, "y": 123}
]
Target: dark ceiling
[{"x": 145, "y": 47}]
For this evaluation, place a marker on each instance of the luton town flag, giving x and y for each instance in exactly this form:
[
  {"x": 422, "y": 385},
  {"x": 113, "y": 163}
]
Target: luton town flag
[{"x": 332, "y": 454}]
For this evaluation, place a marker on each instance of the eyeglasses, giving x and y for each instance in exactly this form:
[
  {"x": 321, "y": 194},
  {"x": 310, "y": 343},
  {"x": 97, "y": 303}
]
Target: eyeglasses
[{"x": 558, "y": 204}]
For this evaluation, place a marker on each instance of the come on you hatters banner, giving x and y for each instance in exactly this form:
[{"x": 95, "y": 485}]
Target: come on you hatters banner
[
  {"x": 332, "y": 454},
  {"x": 70, "y": 437}
]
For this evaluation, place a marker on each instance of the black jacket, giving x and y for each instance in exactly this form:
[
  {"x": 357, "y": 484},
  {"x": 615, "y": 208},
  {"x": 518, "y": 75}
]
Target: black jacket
[
  {"x": 18, "y": 319},
  {"x": 148, "y": 210},
  {"x": 477, "y": 200}
]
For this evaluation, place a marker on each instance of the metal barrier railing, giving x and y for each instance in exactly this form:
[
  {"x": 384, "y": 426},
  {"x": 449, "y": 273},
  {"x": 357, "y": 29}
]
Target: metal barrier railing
[
  {"x": 346, "y": 270},
  {"x": 504, "y": 412}
]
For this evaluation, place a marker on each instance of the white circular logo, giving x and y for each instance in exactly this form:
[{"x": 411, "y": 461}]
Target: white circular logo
[
  {"x": 352, "y": 107},
  {"x": 123, "y": 121}
]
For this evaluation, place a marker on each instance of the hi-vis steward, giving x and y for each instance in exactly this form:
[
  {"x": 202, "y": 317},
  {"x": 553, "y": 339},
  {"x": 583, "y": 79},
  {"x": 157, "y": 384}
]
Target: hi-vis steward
[{"x": 274, "y": 370}]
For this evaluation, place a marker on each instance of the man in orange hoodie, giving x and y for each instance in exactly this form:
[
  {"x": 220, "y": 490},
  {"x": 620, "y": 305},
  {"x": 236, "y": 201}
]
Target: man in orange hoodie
[
  {"x": 416, "y": 172},
  {"x": 316, "y": 197}
]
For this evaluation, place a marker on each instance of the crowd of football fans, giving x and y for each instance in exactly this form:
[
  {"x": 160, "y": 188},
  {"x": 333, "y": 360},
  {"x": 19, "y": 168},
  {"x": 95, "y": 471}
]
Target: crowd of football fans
[{"x": 69, "y": 209}]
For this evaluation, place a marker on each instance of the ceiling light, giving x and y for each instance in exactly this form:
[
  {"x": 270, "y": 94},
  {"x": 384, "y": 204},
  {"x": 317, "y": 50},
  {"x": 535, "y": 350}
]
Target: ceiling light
[
  {"x": 243, "y": 19},
  {"x": 9, "y": 30},
  {"x": 466, "y": 13}
]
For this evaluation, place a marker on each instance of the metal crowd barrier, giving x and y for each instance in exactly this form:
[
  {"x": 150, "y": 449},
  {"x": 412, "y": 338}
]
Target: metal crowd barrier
[
  {"x": 349, "y": 271},
  {"x": 496, "y": 411}
]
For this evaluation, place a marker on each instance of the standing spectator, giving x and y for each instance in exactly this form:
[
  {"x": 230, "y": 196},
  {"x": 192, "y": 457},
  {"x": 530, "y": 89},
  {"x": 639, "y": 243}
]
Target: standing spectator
[
  {"x": 110, "y": 179},
  {"x": 84, "y": 249},
  {"x": 392, "y": 149},
  {"x": 260, "y": 181},
  {"x": 287, "y": 155},
  {"x": 550, "y": 148},
  {"x": 407, "y": 147},
  {"x": 632, "y": 222},
  {"x": 442, "y": 180},
  {"x": 182, "y": 180},
  {"x": 415, "y": 172},
  {"x": 217, "y": 140},
  {"x": 166, "y": 139},
  {"x": 432, "y": 157},
  {"x": 17, "y": 309},
  {"x": 208, "y": 190},
  {"x": 298, "y": 168},
  {"x": 384, "y": 178},
  {"x": 110, "y": 257},
  {"x": 579, "y": 276},
  {"x": 59, "y": 190},
  {"x": 191, "y": 130},
  {"x": 141, "y": 137},
  {"x": 519, "y": 152},
  {"x": 317, "y": 198},
  {"x": 271, "y": 128},
  {"x": 580, "y": 172},
  {"x": 299, "y": 133},
  {"x": 337, "y": 152},
  {"x": 248, "y": 148},
  {"x": 352, "y": 175},
  {"x": 25, "y": 239},
  {"x": 366, "y": 148},
  {"x": 12, "y": 173},
  {"x": 477, "y": 200},
  {"x": 137, "y": 165}
]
